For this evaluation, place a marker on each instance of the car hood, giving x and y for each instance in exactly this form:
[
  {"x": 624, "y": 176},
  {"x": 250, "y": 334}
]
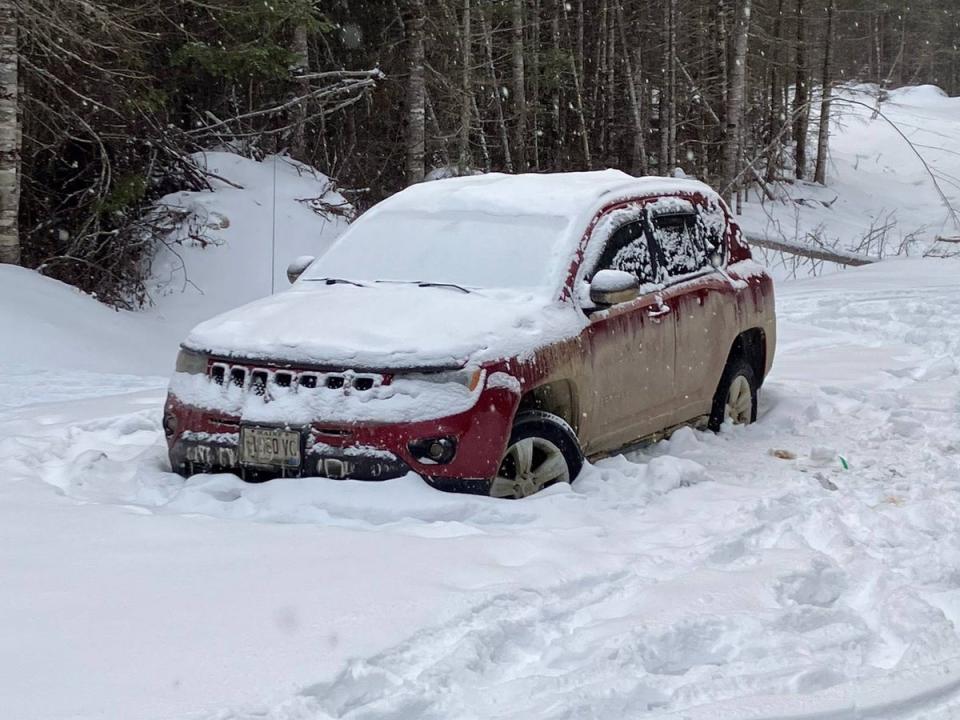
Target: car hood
[{"x": 384, "y": 327}]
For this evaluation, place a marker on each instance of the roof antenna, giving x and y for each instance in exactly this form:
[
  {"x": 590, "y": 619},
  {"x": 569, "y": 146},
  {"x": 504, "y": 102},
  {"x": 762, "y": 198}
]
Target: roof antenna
[{"x": 273, "y": 235}]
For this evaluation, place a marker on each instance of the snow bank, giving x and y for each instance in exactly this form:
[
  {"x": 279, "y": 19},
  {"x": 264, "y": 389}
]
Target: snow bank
[
  {"x": 239, "y": 239},
  {"x": 874, "y": 178},
  {"x": 46, "y": 324}
]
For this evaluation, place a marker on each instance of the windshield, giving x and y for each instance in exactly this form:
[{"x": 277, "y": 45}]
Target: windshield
[{"x": 470, "y": 249}]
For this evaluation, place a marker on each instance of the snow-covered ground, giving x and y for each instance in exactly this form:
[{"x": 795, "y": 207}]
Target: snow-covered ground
[
  {"x": 237, "y": 241},
  {"x": 804, "y": 567},
  {"x": 703, "y": 575},
  {"x": 880, "y": 199}
]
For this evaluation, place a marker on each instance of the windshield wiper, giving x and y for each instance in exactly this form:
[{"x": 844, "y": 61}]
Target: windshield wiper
[
  {"x": 336, "y": 281},
  {"x": 426, "y": 283},
  {"x": 444, "y": 285}
]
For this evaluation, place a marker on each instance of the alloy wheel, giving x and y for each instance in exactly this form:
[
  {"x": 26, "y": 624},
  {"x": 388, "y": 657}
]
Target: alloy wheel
[
  {"x": 528, "y": 466},
  {"x": 739, "y": 405}
]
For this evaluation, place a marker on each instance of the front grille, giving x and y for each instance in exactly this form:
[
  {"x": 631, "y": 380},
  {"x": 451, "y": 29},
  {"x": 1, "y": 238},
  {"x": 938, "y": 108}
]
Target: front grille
[{"x": 266, "y": 382}]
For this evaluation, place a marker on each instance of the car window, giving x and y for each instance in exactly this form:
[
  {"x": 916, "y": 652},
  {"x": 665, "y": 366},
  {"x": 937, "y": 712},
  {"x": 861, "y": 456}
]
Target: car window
[
  {"x": 682, "y": 243},
  {"x": 628, "y": 249},
  {"x": 713, "y": 224}
]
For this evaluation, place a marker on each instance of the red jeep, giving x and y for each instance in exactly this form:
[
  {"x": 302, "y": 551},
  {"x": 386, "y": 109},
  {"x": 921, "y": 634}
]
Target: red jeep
[{"x": 486, "y": 333}]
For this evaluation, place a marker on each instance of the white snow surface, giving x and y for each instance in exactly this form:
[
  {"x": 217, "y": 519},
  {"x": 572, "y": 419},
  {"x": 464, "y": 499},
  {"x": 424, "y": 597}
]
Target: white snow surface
[
  {"x": 744, "y": 575},
  {"x": 241, "y": 236},
  {"x": 874, "y": 179},
  {"x": 575, "y": 195},
  {"x": 47, "y": 325},
  {"x": 702, "y": 577}
]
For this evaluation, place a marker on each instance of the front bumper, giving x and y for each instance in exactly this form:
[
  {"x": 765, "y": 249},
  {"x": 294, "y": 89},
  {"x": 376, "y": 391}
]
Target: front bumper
[{"x": 206, "y": 441}]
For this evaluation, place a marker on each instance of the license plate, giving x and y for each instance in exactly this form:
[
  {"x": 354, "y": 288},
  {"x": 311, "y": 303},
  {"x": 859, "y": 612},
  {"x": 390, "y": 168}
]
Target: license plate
[{"x": 269, "y": 447}]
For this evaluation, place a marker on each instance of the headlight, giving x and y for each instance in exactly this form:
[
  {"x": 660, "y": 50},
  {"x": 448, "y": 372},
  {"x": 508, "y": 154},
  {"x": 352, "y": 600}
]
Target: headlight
[
  {"x": 468, "y": 377},
  {"x": 192, "y": 363}
]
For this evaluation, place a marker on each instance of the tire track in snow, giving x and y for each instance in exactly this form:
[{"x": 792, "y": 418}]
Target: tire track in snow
[{"x": 677, "y": 595}]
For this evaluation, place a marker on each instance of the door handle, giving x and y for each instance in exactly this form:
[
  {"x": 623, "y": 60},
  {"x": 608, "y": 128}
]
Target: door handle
[{"x": 658, "y": 312}]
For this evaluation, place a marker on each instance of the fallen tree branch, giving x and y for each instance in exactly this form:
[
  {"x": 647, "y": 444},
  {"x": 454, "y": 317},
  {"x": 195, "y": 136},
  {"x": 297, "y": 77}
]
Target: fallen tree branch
[{"x": 841, "y": 257}]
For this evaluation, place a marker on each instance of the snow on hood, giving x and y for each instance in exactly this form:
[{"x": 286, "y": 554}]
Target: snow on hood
[{"x": 386, "y": 327}]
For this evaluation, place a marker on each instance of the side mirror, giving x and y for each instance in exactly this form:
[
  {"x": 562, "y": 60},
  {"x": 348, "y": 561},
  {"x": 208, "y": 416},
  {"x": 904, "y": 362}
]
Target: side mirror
[
  {"x": 296, "y": 268},
  {"x": 612, "y": 287}
]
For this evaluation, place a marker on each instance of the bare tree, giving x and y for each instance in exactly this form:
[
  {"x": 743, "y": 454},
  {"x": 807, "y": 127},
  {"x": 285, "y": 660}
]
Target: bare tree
[
  {"x": 10, "y": 136},
  {"x": 416, "y": 93},
  {"x": 823, "y": 137},
  {"x": 535, "y": 82},
  {"x": 466, "y": 101},
  {"x": 497, "y": 98},
  {"x": 668, "y": 91},
  {"x": 578, "y": 88},
  {"x": 777, "y": 116},
  {"x": 301, "y": 66},
  {"x": 519, "y": 88},
  {"x": 738, "y": 76},
  {"x": 638, "y": 146},
  {"x": 801, "y": 96}
]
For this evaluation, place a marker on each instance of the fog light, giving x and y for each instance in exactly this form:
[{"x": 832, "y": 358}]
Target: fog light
[
  {"x": 170, "y": 424},
  {"x": 437, "y": 451}
]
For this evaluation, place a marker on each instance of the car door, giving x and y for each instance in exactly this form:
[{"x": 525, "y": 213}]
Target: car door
[
  {"x": 629, "y": 347},
  {"x": 689, "y": 245}
]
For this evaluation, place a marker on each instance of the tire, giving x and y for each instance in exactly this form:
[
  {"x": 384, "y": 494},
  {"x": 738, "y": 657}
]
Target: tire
[
  {"x": 738, "y": 377},
  {"x": 548, "y": 448}
]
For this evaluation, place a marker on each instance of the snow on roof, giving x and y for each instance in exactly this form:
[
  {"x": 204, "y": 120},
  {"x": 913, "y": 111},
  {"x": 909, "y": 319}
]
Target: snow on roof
[{"x": 565, "y": 194}]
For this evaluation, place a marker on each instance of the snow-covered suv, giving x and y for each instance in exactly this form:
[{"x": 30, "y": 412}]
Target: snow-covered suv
[{"x": 487, "y": 333}]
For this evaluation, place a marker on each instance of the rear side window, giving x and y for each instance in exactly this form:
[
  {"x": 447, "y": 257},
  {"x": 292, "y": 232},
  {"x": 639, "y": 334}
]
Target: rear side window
[
  {"x": 714, "y": 228},
  {"x": 683, "y": 243},
  {"x": 628, "y": 249}
]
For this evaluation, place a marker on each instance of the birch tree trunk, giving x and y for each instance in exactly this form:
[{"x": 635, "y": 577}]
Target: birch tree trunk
[
  {"x": 466, "y": 89},
  {"x": 519, "y": 89},
  {"x": 738, "y": 75},
  {"x": 10, "y": 137},
  {"x": 416, "y": 91},
  {"x": 823, "y": 137}
]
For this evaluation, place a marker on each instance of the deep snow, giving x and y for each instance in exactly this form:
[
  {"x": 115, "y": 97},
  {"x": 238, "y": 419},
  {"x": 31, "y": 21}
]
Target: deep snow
[
  {"x": 879, "y": 199},
  {"x": 703, "y": 575},
  {"x": 237, "y": 241},
  {"x": 742, "y": 575}
]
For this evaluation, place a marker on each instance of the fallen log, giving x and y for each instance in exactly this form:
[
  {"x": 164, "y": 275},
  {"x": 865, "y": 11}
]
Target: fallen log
[{"x": 841, "y": 257}]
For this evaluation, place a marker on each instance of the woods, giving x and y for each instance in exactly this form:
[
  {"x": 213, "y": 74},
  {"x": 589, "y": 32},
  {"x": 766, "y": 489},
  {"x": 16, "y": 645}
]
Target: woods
[{"x": 101, "y": 101}]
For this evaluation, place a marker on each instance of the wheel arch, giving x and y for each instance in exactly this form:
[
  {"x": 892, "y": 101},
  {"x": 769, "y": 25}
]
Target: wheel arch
[
  {"x": 751, "y": 345},
  {"x": 557, "y": 397}
]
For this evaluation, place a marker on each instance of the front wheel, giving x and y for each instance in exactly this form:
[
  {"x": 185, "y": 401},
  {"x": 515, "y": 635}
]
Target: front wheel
[
  {"x": 736, "y": 397},
  {"x": 542, "y": 451}
]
